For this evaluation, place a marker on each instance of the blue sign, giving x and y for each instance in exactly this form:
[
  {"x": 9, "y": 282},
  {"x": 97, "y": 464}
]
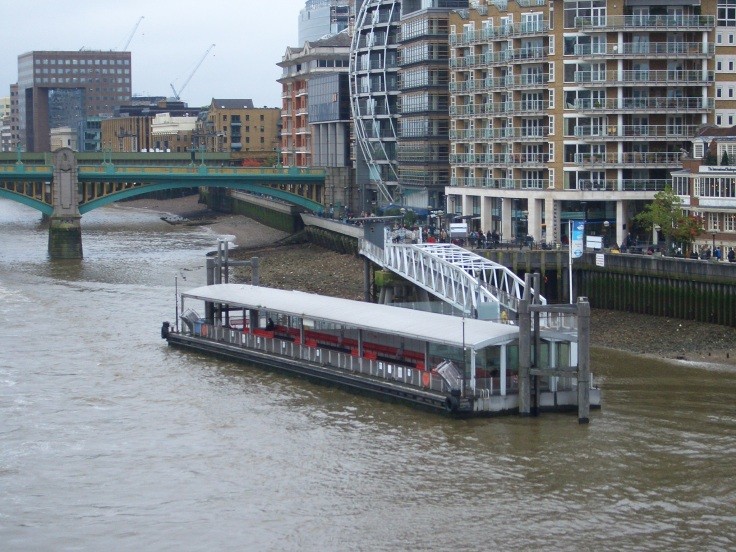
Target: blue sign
[{"x": 577, "y": 241}]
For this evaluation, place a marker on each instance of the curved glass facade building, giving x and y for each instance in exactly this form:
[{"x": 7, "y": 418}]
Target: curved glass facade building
[{"x": 374, "y": 94}]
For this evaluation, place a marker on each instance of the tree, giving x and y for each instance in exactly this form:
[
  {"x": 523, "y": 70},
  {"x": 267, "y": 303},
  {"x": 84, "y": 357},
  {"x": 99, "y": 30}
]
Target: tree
[
  {"x": 665, "y": 212},
  {"x": 725, "y": 161}
]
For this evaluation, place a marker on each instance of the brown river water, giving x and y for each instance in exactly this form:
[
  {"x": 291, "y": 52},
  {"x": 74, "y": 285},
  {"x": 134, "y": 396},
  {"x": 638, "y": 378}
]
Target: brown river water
[{"x": 109, "y": 440}]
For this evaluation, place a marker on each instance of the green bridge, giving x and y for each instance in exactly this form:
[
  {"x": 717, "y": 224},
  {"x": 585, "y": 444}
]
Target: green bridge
[{"x": 64, "y": 185}]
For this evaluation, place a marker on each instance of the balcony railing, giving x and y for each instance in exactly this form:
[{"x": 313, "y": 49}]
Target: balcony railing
[
  {"x": 628, "y": 158},
  {"x": 499, "y": 158},
  {"x": 659, "y": 103},
  {"x": 535, "y": 133},
  {"x": 636, "y": 131},
  {"x": 645, "y": 22},
  {"x": 500, "y": 32},
  {"x": 655, "y": 49},
  {"x": 646, "y": 77},
  {"x": 498, "y": 183},
  {"x": 624, "y": 185}
]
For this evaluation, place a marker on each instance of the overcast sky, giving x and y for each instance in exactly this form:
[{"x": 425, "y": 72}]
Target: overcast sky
[{"x": 250, "y": 37}]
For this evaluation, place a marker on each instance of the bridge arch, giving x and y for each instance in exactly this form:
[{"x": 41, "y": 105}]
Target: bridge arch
[
  {"x": 37, "y": 204},
  {"x": 127, "y": 193}
]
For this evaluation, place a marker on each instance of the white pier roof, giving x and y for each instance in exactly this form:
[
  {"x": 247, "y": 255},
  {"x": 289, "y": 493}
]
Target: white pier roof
[{"x": 436, "y": 328}]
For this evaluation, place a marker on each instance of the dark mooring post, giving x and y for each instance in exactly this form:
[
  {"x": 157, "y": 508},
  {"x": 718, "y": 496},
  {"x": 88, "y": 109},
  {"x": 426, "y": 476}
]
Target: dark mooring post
[
  {"x": 65, "y": 228},
  {"x": 583, "y": 360},
  {"x": 537, "y": 343},
  {"x": 525, "y": 349}
]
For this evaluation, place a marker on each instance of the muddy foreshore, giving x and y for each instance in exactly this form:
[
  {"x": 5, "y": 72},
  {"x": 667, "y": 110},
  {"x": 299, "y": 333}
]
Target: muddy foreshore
[{"x": 310, "y": 268}]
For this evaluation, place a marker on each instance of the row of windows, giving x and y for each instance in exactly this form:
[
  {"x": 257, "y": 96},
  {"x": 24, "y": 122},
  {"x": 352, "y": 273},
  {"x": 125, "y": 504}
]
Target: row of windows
[
  {"x": 75, "y": 71},
  {"x": 724, "y": 64},
  {"x": 47, "y": 61},
  {"x": 725, "y": 119},
  {"x": 236, "y": 118},
  {"x": 75, "y": 80}
]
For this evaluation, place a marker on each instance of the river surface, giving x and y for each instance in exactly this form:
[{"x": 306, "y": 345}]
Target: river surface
[{"x": 109, "y": 440}]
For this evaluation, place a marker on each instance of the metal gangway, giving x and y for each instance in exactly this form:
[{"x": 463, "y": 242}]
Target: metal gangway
[{"x": 457, "y": 276}]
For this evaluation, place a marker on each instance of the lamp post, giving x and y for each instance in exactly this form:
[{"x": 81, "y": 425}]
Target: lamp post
[
  {"x": 713, "y": 251},
  {"x": 606, "y": 225}
]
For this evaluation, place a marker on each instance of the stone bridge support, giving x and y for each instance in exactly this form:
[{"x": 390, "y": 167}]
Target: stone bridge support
[{"x": 65, "y": 229}]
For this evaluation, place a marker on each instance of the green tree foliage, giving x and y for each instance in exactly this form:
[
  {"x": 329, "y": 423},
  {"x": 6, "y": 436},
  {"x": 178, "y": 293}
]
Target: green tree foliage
[
  {"x": 724, "y": 159},
  {"x": 666, "y": 213}
]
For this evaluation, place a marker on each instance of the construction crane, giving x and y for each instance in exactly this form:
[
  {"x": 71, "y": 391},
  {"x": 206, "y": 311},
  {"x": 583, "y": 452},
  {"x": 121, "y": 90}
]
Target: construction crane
[
  {"x": 177, "y": 94},
  {"x": 132, "y": 34}
]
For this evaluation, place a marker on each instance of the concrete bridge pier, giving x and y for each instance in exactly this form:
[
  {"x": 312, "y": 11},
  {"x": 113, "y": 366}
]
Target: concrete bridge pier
[
  {"x": 65, "y": 229},
  {"x": 65, "y": 237}
]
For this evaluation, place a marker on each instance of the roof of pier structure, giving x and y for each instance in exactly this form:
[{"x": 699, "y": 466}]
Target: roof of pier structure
[{"x": 412, "y": 324}]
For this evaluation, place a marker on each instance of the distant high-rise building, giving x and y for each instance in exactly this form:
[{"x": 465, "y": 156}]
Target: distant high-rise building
[
  {"x": 320, "y": 18},
  {"x": 60, "y": 89}
]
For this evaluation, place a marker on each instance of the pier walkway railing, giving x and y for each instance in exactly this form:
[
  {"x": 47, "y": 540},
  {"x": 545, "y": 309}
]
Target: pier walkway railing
[
  {"x": 450, "y": 272},
  {"x": 347, "y": 362}
]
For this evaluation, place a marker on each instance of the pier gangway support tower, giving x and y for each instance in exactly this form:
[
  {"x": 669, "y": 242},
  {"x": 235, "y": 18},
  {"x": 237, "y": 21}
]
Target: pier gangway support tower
[{"x": 451, "y": 273}]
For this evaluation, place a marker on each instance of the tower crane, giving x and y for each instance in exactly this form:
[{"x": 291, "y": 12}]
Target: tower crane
[
  {"x": 132, "y": 34},
  {"x": 177, "y": 94}
]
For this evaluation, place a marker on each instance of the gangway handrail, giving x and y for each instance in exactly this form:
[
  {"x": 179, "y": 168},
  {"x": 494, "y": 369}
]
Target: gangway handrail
[{"x": 445, "y": 271}]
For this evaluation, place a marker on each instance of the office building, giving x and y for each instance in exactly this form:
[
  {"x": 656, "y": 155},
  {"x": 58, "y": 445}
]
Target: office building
[
  {"x": 321, "y": 18},
  {"x": 57, "y": 89}
]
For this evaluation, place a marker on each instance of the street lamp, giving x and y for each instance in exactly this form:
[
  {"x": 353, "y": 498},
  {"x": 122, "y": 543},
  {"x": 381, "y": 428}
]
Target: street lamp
[{"x": 606, "y": 225}]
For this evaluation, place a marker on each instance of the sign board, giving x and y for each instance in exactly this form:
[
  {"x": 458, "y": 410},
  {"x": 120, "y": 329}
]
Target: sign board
[
  {"x": 458, "y": 229},
  {"x": 594, "y": 242},
  {"x": 599, "y": 259},
  {"x": 576, "y": 243}
]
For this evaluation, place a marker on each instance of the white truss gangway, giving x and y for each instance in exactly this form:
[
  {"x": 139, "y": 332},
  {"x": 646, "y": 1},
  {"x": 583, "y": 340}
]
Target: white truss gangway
[{"x": 451, "y": 273}]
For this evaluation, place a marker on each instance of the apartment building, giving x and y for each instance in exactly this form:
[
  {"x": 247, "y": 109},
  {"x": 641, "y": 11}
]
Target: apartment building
[
  {"x": 423, "y": 143},
  {"x": 314, "y": 88},
  {"x": 235, "y": 125},
  {"x": 577, "y": 110}
]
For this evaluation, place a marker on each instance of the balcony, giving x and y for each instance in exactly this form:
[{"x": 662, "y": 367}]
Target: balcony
[
  {"x": 624, "y": 185},
  {"x": 661, "y": 132},
  {"x": 657, "y": 50},
  {"x": 515, "y": 159},
  {"x": 646, "y": 23},
  {"x": 527, "y": 107},
  {"x": 498, "y": 183},
  {"x": 657, "y": 104},
  {"x": 644, "y": 77},
  {"x": 500, "y": 32},
  {"x": 628, "y": 159}
]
